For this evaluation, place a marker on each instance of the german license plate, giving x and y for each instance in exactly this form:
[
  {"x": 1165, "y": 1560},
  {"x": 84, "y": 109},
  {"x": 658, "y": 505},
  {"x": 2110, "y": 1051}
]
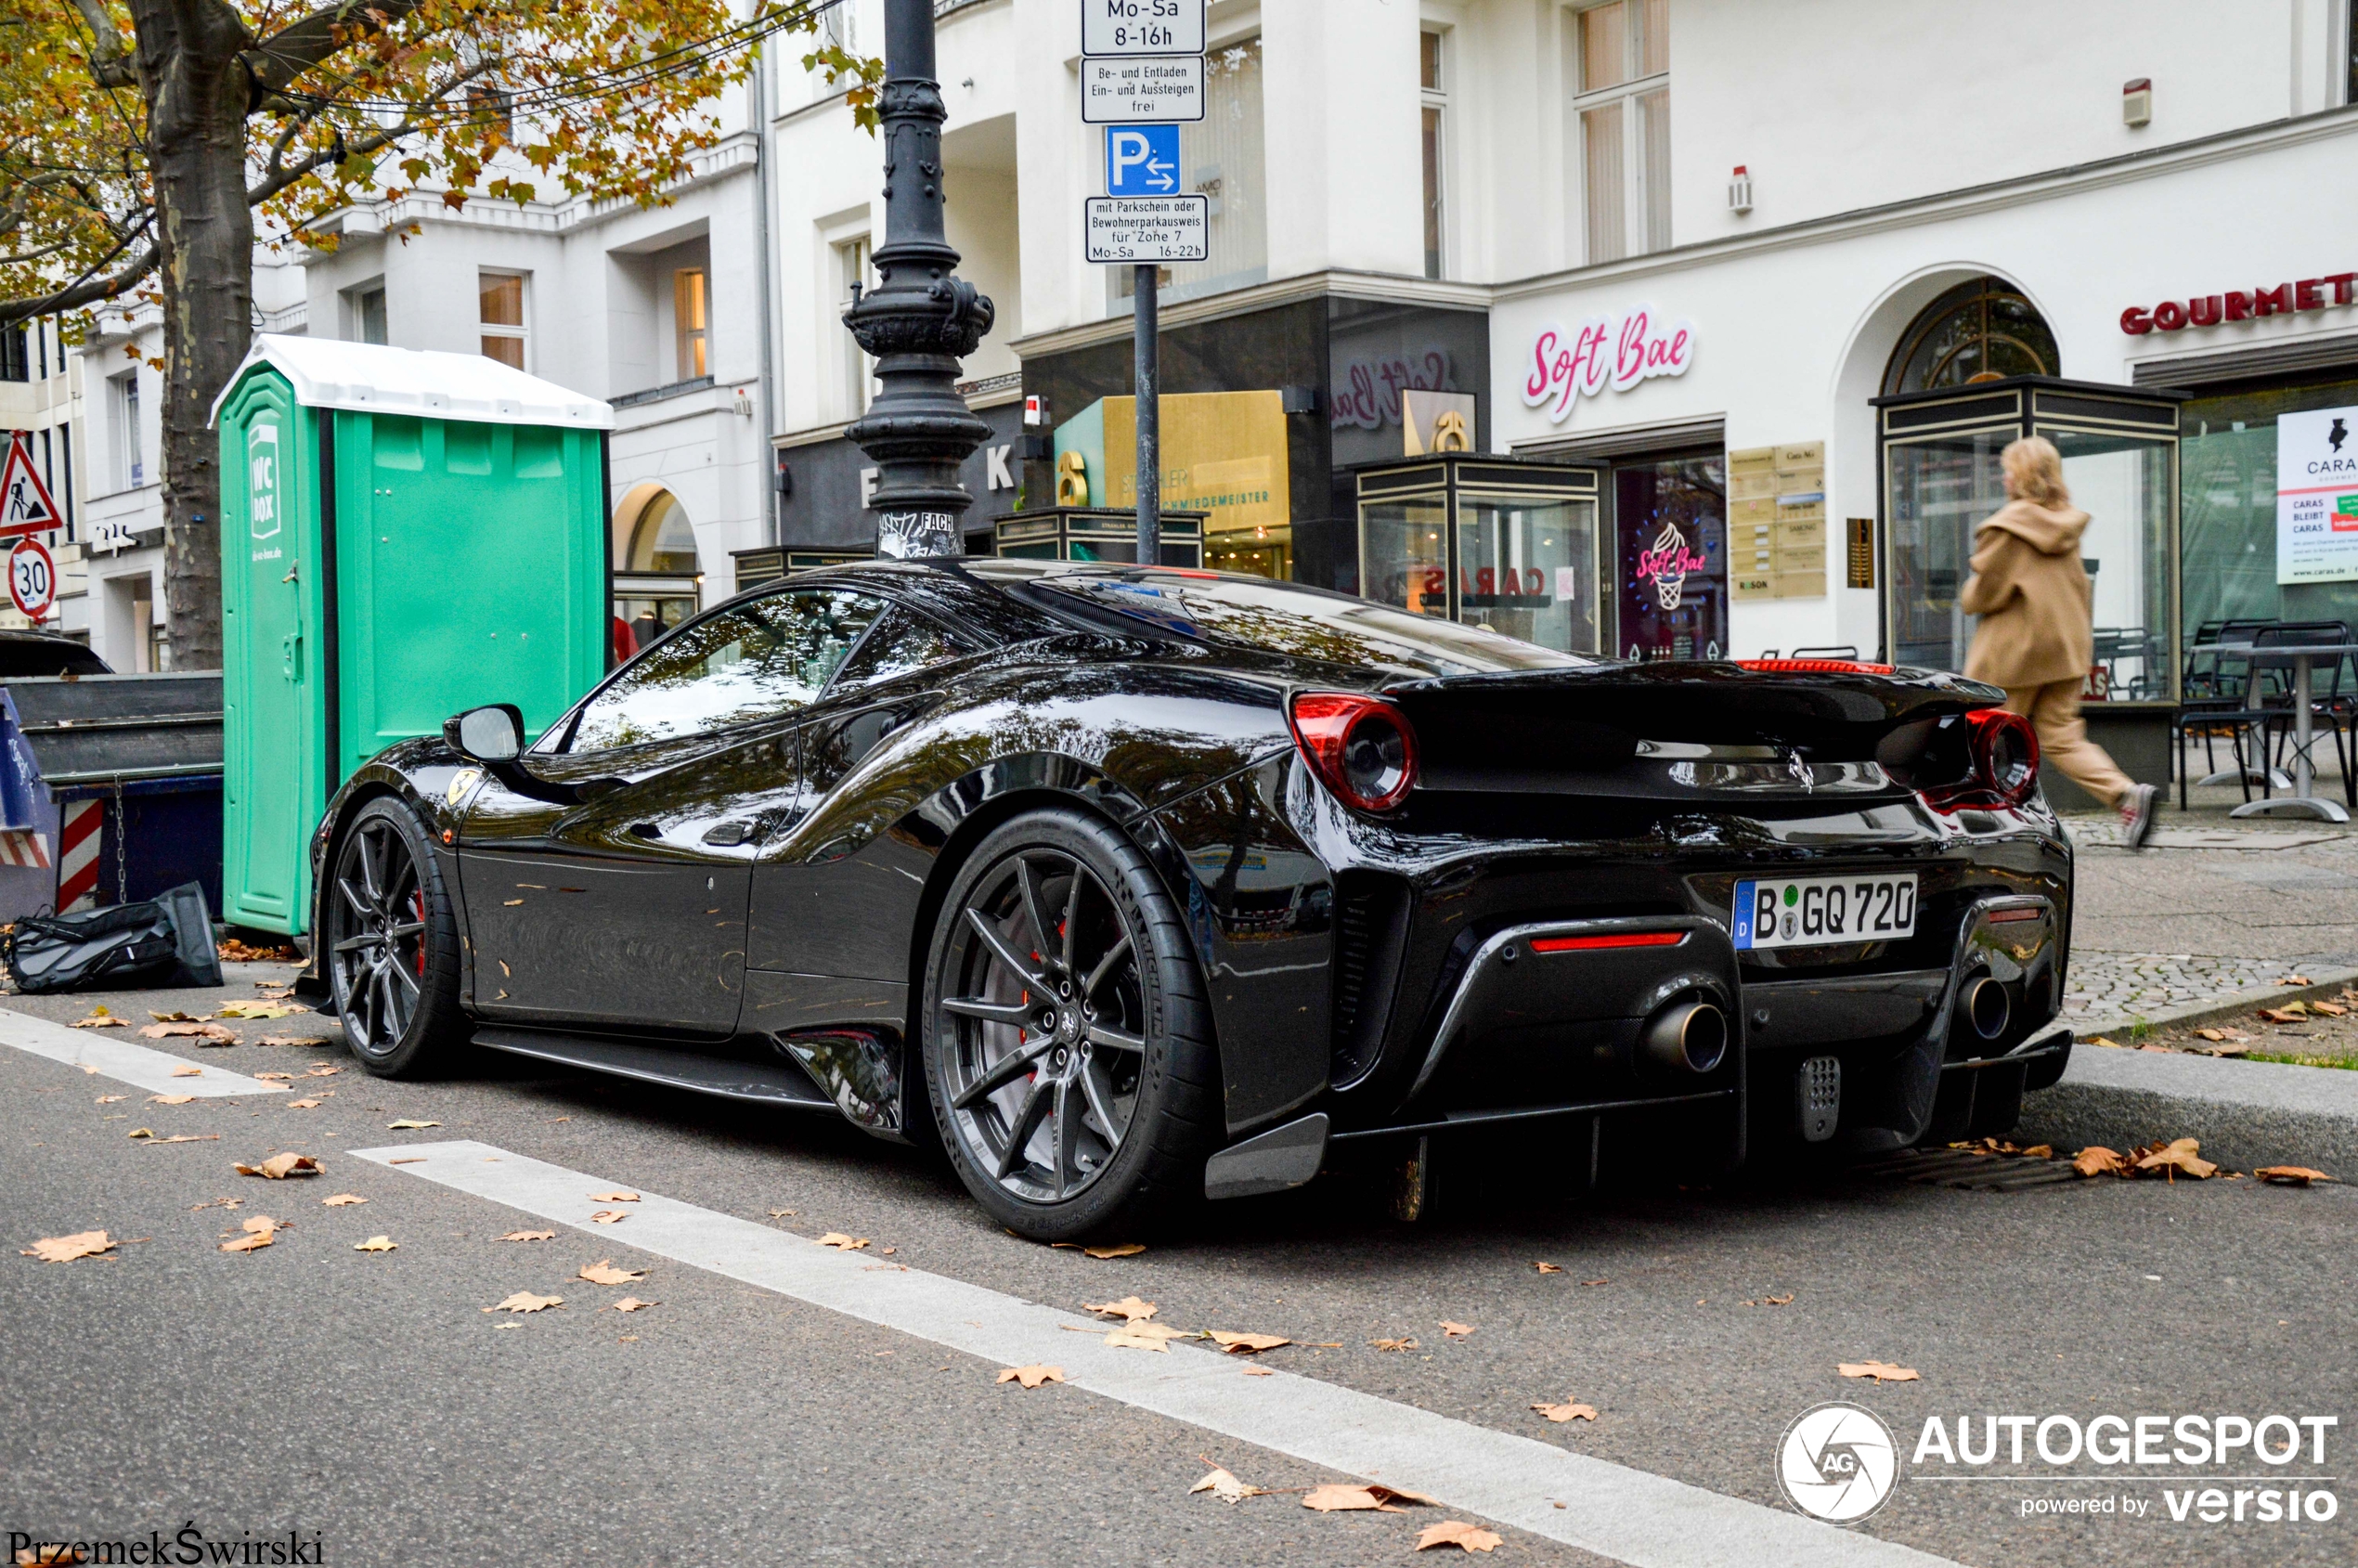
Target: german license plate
[{"x": 1815, "y": 911}]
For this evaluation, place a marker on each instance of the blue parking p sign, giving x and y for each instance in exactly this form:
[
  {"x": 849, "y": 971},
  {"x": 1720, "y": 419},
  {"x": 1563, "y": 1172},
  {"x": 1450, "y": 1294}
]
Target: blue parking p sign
[{"x": 1142, "y": 159}]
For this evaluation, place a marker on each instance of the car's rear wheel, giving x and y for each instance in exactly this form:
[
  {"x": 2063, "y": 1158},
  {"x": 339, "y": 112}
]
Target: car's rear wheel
[
  {"x": 1067, "y": 1040},
  {"x": 393, "y": 944}
]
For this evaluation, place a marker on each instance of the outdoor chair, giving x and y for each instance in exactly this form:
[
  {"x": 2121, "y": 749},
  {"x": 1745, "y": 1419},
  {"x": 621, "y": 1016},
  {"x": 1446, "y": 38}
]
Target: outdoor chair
[{"x": 2332, "y": 702}]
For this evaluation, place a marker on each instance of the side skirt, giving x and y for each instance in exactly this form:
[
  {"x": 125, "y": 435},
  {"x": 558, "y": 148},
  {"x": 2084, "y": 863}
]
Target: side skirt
[{"x": 775, "y": 1083}]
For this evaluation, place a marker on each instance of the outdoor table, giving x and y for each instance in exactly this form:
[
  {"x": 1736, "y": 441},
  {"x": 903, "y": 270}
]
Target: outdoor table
[{"x": 2302, "y": 658}]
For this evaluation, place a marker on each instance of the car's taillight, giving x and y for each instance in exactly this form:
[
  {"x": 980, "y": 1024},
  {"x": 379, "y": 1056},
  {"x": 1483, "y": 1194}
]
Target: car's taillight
[
  {"x": 1361, "y": 747},
  {"x": 2004, "y": 750},
  {"x": 1813, "y": 667}
]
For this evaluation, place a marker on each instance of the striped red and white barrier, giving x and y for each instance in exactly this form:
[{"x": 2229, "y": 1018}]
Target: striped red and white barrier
[
  {"x": 78, "y": 855},
  {"x": 23, "y": 847}
]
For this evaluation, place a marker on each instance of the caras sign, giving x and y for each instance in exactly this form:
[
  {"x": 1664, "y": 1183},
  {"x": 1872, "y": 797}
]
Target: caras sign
[{"x": 1618, "y": 352}]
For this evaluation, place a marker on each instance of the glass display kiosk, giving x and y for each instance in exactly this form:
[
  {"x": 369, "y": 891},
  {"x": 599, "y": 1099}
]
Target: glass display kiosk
[
  {"x": 1489, "y": 541},
  {"x": 1089, "y": 533},
  {"x": 1941, "y": 479}
]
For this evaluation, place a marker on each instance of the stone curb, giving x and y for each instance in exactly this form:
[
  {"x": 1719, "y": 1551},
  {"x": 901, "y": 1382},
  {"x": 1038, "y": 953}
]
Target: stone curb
[
  {"x": 2246, "y": 1114},
  {"x": 2205, "y": 1009}
]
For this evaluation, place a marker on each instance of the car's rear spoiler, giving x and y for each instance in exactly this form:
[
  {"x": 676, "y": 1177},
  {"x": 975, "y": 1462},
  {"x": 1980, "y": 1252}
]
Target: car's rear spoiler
[{"x": 1595, "y": 717}]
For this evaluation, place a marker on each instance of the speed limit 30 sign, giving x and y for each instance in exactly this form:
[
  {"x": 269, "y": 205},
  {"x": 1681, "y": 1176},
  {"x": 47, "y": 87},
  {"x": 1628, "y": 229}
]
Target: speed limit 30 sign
[{"x": 33, "y": 579}]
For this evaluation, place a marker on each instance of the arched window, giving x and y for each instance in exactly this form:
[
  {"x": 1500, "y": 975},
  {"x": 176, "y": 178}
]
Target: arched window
[
  {"x": 1978, "y": 331},
  {"x": 663, "y": 541}
]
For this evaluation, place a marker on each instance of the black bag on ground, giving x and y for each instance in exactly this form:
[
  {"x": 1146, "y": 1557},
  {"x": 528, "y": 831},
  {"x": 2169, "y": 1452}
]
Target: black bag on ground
[{"x": 159, "y": 942}]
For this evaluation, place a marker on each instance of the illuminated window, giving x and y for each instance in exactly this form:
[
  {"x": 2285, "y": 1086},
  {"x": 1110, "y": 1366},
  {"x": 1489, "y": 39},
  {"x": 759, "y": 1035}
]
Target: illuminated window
[
  {"x": 688, "y": 305},
  {"x": 503, "y": 328}
]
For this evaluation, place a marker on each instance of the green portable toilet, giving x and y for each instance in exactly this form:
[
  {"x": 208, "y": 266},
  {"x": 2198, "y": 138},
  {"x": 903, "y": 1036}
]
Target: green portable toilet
[{"x": 403, "y": 535}]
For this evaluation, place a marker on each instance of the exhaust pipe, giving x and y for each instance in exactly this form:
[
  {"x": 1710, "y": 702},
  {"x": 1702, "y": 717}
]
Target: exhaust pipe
[
  {"x": 1687, "y": 1037},
  {"x": 1989, "y": 1008}
]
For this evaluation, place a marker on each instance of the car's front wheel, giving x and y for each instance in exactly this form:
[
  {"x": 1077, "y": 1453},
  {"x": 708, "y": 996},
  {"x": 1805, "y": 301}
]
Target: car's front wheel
[
  {"x": 393, "y": 944},
  {"x": 1066, "y": 1038}
]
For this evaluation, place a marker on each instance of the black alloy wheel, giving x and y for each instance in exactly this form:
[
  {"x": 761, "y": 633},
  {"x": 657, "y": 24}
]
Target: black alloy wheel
[
  {"x": 1069, "y": 1055},
  {"x": 392, "y": 943}
]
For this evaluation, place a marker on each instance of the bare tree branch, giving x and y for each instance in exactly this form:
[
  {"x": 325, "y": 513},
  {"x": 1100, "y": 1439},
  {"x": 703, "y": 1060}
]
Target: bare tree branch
[
  {"x": 89, "y": 291},
  {"x": 312, "y": 38},
  {"x": 109, "y": 61}
]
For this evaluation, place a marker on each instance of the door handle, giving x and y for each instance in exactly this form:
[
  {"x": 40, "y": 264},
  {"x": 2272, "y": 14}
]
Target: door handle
[
  {"x": 643, "y": 830},
  {"x": 727, "y": 834}
]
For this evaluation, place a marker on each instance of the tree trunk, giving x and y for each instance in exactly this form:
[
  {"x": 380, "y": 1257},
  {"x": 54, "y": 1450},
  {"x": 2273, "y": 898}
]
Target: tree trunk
[{"x": 197, "y": 96}]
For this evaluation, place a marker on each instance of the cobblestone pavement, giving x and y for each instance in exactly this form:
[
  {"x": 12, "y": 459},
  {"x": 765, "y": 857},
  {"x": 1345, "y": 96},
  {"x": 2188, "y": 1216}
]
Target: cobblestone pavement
[{"x": 2210, "y": 909}]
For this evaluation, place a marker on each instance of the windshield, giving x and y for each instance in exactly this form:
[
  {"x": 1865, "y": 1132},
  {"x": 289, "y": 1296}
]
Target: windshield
[{"x": 1260, "y": 615}]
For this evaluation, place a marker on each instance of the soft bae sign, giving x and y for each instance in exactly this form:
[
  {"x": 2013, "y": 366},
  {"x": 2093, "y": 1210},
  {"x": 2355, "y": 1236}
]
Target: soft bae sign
[{"x": 1616, "y": 352}]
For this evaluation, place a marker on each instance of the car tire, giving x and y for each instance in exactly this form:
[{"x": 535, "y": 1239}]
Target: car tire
[
  {"x": 1074, "y": 1081},
  {"x": 392, "y": 945}
]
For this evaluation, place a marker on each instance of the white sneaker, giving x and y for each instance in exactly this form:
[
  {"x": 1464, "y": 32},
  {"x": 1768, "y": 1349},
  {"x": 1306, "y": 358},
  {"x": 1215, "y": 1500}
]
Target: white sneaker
[{"x": 2137, "y": 816}]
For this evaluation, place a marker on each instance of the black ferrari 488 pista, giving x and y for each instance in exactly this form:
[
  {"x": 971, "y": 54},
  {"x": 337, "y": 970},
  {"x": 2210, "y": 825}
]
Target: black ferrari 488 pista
[{"x": 1134, "y": 887}]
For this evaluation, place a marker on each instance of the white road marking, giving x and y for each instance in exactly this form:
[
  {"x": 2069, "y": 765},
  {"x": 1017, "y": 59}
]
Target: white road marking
[
  {"x": 1625, "y": 1514},
  {"x": 123, "y": 1061}
]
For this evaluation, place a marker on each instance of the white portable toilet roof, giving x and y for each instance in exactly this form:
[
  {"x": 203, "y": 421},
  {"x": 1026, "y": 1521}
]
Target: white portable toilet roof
[{"x": 373, "y": 378}]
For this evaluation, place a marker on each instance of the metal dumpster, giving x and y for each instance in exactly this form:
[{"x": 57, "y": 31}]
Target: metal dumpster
[
  {"x": 109, "y": 788},
  {"x": 403, "y": 535}
]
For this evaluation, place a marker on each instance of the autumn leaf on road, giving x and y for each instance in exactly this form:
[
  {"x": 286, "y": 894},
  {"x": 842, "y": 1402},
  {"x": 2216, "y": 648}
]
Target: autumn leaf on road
[
  {"x": 257, "y": 1010},
  {"x": 524, "y": 1301},
  {"x": 2178, "y": 1155},
  {"x": 259, "y": 1232},
  {"x": 281, "y": 1166},
  {"x": 2097, "y": 1160},
  {"x": 1259, "y": 1372},
  {"x": 1393, "y": 1344},
  {"x": 187, "y": 1072},
  {"x": 1341, "y": 1497},
  {"x": 1145, "y": 1336},
  {"x": 1882, "y": 1371},
  {"x": 602, "y": 1272},
  {"x": 1129, "y": 1308},
  {"x": 2290, "y": 1013},
  {"x": 1246, "y": 1344},
  {"x": 101, "y": 1020},
  {"x": 375, "y": 1244},
  {"x": 1119, "y": 1249},
  {"x": 1455, "y": 1331},
  {"x": 1567, "y": 1412},
  {"x": 608, "y": 1217},
  {"x": 2331, "y": 1009},
  {"x": 305, "y": 1105},
  {"x": 344, "y": 1201},
  {"x": 65, "y": 1248},
  {"x": 1457, "y": 1533},
  {"x": 110, "y": 1099},
  {"x": 632, "y": 1303},
  {"x": 2291, "y": 1175},
  {"x": 171, "y": 1099},
  {"x": 311, "y": 1041},
  {"x": 1030, "y": 1377},
  {"x": 1546, "y": 1268},
  {"x": 1772, "y": 1301},
  {"x": 617, "y": 1196},
  {"x": 275, "y": 1077},
  {"x": 406, "y": 1126},
  {"x": 1227, "y": 1488},
  {"x": 530, "y": 1236},
  {"x": 842, "y": 1243}
]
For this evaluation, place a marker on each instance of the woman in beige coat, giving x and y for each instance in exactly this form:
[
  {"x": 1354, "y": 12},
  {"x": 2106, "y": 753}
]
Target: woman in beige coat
[{"x": 2034, "y": 638}]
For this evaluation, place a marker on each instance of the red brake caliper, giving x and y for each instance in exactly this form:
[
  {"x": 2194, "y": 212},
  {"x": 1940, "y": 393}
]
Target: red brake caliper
[{"x": 418, "y": 903}]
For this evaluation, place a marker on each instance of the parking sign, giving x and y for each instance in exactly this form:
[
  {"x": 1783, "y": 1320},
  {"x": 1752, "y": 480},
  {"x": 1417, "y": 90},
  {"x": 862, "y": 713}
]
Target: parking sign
[{"x": 1142, "y": 161}]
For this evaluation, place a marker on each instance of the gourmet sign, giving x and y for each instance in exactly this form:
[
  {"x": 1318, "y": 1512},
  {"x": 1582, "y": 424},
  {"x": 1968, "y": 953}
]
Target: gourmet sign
[
  {"x": 1604, "y": 351},
  {"x": 2209, "y": 310}
]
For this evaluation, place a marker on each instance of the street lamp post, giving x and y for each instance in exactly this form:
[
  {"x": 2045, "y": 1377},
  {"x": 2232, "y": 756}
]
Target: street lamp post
[{"x": 920, "y": 320}]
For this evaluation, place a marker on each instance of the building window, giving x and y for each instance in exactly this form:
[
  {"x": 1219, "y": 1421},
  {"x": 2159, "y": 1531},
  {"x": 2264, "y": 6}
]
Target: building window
[
  {"x": 368, "y": 314},
  {"x": 15, "y": 356},
  {"x": 854, "y": 276},
  {"x": 1977, "y": 332},
  {"x": 130, "y": 470},
  {"x": 503, "y": 328},
  {"x": 1222, "y": 159},
  {"x": 688, "y": 306},
  {"x": 1436, "y": 99},
  {"x": 663, "y": 541},
  {"x": 1622, "y": 108}
]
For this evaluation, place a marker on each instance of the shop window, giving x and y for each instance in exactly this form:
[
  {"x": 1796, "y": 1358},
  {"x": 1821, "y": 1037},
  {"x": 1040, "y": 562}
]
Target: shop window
[
  {"x": 1977, "y": 332},
  {"x": 1670, "y": 522},
  {"x": 1621, "y": 70},
  {"x": 2227, "y": 509},
  {"x": 663, "y": 541},
  {"x": 1222, "y": 159},
  {"x": 1435, "y": 102},
  {"x": 855, "y": 274},
  {"x": 501, "y": 294},
  {"x": 688, "y": 327}
]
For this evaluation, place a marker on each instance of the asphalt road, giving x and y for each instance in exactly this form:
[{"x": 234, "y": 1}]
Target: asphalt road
[{"x": 367, "y": 1398}]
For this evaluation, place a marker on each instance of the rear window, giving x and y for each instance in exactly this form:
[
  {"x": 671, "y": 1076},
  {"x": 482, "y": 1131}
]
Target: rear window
[{"x": 1258, "y": 616}]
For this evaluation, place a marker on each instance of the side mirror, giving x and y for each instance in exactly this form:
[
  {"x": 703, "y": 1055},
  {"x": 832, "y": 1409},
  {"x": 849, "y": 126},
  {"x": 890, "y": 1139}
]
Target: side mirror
[{"x": 492, "y": 734}]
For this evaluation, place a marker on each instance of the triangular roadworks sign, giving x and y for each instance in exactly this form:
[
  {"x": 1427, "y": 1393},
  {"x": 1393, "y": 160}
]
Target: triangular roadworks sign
[{"x": 25, "y": 505}]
